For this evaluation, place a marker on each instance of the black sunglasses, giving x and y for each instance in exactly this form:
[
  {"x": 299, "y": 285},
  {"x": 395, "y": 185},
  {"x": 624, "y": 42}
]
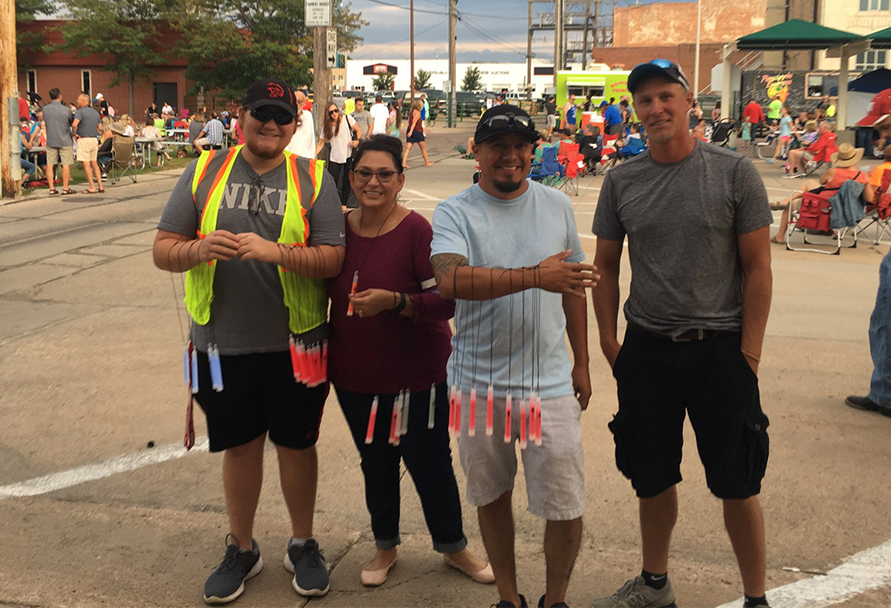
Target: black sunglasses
[
  {"x": 503, "y": 121},
  {"x": 334, "y": 111},
  {"x": 264, "y": 115}
]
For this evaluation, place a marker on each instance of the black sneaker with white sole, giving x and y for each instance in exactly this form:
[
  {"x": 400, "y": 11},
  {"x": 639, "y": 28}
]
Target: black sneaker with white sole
[
  {"x": 310, "y": 570},
  {"x": 238, "y": 565}
]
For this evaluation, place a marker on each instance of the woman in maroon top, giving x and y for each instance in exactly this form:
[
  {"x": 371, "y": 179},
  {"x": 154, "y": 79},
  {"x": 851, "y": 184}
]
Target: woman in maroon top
[
  {"x": 415, "y": 134},
  {"x": 390, "y": 338}
]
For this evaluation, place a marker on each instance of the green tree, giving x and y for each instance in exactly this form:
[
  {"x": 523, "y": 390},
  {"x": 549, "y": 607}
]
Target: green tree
[
  {"x": 383, "y": 82},
  {"x": 125, "y": 34},
  {"x": 230, "y": 43},
  {"x": 27, "y": 42},
  {"x": 473, "y": 79},
  {"x": 422, "y": 79}
]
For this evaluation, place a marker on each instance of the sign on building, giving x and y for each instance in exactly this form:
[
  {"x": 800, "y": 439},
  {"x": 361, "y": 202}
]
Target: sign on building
[{"x": 318, "y": 13}]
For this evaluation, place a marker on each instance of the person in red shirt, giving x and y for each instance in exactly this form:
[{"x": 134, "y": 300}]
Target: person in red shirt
[
  {"x": 24, "y": 108},
  {"x": 819, "y": 151},
  {"x": 755, "y": 115}
]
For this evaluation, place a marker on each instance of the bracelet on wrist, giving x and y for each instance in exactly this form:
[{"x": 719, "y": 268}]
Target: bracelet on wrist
[{"x": 401, "y": 306}]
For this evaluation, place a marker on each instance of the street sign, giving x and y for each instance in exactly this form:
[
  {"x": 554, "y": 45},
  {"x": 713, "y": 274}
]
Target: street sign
[
  {"x": 331, "y": 47},
  {"x": 318, "y": 13},
  {"x": 446, "y": 86}
]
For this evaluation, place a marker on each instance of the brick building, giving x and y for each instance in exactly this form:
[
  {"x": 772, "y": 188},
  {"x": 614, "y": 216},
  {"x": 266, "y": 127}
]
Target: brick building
[{"x": 668, "y": 30}]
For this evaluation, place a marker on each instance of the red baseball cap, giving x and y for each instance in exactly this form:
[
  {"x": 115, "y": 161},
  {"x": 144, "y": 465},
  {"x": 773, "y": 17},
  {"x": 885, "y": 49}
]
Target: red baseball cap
[{"x": 879, "y": 109}]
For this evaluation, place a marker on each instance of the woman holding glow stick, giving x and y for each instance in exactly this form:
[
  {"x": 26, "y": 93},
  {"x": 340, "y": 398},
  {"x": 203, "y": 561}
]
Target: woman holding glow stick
[{"x": 388, "y": 348}]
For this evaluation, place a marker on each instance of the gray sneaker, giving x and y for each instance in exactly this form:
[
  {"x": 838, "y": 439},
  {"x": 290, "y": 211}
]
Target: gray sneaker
[
  {"x": 227, "y": 581},
  {"x": 309, "y": 568},
  {"x": 636, "y": 594}
]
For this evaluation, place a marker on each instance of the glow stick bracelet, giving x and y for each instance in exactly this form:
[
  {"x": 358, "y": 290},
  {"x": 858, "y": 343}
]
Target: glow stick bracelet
[
  {"x": 507, "y": 418},
  {"x": 369, "y": 434},
  {"x": 431, "y": 414},
  {"x": 406, "y": 402},
  {"x": 489, "y": 401},
  {"x": 522, "y": 425},
  {"x": 187, "y": 366},
  {"x": 194, "y": 370},
  {"x": 295, "y": 363},
  {"x": 352, "y": 293}
]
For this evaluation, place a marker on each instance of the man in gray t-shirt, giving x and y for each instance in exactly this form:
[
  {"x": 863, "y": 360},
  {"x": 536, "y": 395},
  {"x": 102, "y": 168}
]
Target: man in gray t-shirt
[
  {"x": 260, "y": 321},
  {"x": 362, "y": 118},
  {"x": 59, "y": 146},
  {"x": 696, "y": 217}
]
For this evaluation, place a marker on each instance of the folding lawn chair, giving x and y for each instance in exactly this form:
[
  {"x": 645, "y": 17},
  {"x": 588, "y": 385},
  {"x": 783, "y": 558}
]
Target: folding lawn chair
[
  {"x": 607, "y": 160},
  {"x": 814, "y": 216},
  {"x": 573, "y": 164},
  {"x": 123, "y": 160},
  {"x": 550, "y": 172},
  {"x": 878, "y": 213}
]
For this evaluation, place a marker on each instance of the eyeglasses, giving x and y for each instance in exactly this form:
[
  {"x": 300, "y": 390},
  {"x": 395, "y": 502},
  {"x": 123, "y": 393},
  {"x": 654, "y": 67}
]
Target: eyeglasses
[
  {"x": 383, "y": 177},
  {"x": 334, "y": 111},
  {"x": 503, "y": 121},
  {"x": 264, "y": 115}
]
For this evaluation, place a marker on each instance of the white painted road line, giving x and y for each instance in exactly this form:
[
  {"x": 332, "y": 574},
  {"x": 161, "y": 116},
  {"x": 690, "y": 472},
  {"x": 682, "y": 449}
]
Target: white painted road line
[
  {"x": 422, "y": 195},
  {"x": 865, "y": 571},
  {"x": 92, "y": 472}
]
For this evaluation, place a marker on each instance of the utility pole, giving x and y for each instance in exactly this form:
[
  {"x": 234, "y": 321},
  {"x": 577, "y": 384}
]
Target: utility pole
[
  {"x": 585, "y": 37},
  {"x": 558, "y": 39},
  {"x": 8, "y": 88},
  {"x": 321, "y": 76},
  {"x": 529, "y": 54},
  {"x": 453, "y": 68},
  {"x": 412, "y": 51},
  {"x": 698, "y": 36}
]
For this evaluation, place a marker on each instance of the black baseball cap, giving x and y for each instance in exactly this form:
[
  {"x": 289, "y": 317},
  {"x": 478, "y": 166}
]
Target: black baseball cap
[
  {"x": 270, "y": 92},
  {"x": 657, "y": 67},
  {"x": 505, "y": 119}
]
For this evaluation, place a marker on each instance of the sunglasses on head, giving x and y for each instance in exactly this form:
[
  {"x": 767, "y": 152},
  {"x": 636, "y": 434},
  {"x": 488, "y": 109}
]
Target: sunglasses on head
[
  {"x": 502, "y": 121},
  {"x": 266, "y": 114}
]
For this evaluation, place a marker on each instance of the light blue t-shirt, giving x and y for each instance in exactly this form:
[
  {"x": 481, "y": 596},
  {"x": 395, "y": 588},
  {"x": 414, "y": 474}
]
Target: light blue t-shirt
[
  {"x": 786, "y": 126},
  {"x": 512, "y": 337}
]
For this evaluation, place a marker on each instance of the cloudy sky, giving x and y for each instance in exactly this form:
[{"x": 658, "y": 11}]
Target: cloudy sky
[{"x": 490, "y": 30}]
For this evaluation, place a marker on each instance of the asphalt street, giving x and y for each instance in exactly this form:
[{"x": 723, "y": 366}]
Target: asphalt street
[{"x": 91, "y": 376}]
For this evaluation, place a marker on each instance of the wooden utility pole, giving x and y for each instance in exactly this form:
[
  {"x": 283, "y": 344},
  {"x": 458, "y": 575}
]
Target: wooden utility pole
[
  {"x": 585, "y": 37},
  {"x": 529, "y": 55},
  {"x": 8, "y": 94},
  {"x": 411, "y": 84},
  {"x": 453, "y": 66},
  {"x": 558, "y": 39},
  {"x": 321, "y": 76}
]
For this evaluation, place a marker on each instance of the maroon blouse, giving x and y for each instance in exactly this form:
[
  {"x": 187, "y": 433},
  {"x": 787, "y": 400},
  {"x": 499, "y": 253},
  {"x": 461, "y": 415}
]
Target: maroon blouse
[{"x": 389, "y": 352}]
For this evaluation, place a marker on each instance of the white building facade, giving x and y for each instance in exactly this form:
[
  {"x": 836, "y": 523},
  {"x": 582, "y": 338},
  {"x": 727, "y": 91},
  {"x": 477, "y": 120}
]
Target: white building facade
[
  {"x": 494, "y": 76},
  {"x": 858, "y": 17}
]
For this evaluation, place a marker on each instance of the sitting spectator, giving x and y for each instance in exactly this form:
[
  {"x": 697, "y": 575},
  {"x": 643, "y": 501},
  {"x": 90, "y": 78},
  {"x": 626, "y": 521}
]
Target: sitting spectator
[
  {"x": 211, "y": 135},
  {"x": 29, "y": 140},
  {"x": 634, "y": 145},
  {"x": 159, "y": 121},
  {"x": 819, "y": 151},
  {"x": 129, "y": 127},
  {"x": 105, "y": 153},
  {"x": 590, "y": 145},
  {"x": 843, "y": 168},
  {"x": 875, "y": 178},
  {"x": 149, "y": 130},
  {"x": 699, "y": 132},
  {"x": 196, "y": 125}
]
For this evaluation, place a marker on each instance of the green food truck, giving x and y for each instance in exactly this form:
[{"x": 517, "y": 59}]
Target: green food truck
[{"x": 601, "y": 86}]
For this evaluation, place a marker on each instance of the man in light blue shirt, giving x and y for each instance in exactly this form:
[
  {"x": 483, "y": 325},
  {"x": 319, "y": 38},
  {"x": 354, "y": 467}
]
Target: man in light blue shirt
[{"x": 508, "y": 250}]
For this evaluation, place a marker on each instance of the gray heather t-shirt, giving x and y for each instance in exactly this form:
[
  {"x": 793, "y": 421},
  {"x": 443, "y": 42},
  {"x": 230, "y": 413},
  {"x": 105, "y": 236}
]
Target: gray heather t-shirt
[
  {"x": 248, "y": 314},
  {"x": 682, "y": 221},
  {"x": 58, "y": 120},
  {"x": 364, "y": 119},
  {"x": 89, "y": 122}
]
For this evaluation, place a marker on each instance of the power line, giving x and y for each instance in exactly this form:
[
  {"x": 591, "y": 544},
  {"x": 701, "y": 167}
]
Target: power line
[
  {"x": 486, "y": 36},
  {"x": 424, "y": 31},
  {"x": 405, "y": 8}
]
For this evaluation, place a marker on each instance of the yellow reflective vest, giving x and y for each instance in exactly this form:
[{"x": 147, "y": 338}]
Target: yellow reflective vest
[{"x": 305, "y": 298}]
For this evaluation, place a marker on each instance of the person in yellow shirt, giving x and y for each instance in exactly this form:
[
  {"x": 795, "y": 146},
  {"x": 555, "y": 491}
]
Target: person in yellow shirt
[
  {"x": 349, "y": 105},
  {"x": 830, "y": 110}
]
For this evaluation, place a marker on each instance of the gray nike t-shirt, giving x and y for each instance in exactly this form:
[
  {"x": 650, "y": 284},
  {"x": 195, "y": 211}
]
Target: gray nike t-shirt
[
  {"x": 683, "y": 220},
  {"x": 248, "y": 314}
]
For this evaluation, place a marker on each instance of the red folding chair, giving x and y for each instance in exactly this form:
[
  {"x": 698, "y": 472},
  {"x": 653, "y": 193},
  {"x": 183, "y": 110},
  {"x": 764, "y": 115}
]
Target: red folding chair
[
  {"x": 573, "y": 163},
  {"x": 814, "y": 215}
]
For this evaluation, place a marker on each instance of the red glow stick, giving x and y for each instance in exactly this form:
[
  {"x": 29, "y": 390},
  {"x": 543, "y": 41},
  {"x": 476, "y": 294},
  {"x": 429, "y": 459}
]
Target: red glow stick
[
  {"x": 507, "y": 418},
  {"x": 537, "y": 420},
  {"x": 369, "y": 434},
  {"x": 325, "y": 360},
  {"x": 451, "y": 410},
  {"x": 295, "y": 364},
  {"x": 352, "y": 293},
  {"x": 458, "y": 413},
  {"x": 489, "y": 399},
  {"x": 393, "y": 425}
]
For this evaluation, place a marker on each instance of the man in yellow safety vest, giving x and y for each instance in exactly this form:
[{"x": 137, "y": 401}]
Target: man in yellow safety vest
[{"x": 256, "y": 230}]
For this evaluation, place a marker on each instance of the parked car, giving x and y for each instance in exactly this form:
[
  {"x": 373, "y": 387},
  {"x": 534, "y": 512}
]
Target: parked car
[
  {"x": 470, "y": 103},
  {"x": 436, "y": 98}
]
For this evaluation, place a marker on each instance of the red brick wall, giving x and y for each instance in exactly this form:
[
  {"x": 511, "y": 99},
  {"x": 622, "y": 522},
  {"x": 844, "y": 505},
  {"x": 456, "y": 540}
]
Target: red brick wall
[
  {"x": 675, "y": 23},
  {"x": 685, "y": 54}
]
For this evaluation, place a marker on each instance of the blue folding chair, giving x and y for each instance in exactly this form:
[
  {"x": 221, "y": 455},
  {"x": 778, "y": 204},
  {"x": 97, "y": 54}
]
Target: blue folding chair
[{"x": 549, "y": 172}]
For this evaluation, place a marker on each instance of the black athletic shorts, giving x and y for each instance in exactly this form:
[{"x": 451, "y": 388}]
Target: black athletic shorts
[
  {"x": 259, "y": 395},
  {"x": 659, "y": 381}
]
